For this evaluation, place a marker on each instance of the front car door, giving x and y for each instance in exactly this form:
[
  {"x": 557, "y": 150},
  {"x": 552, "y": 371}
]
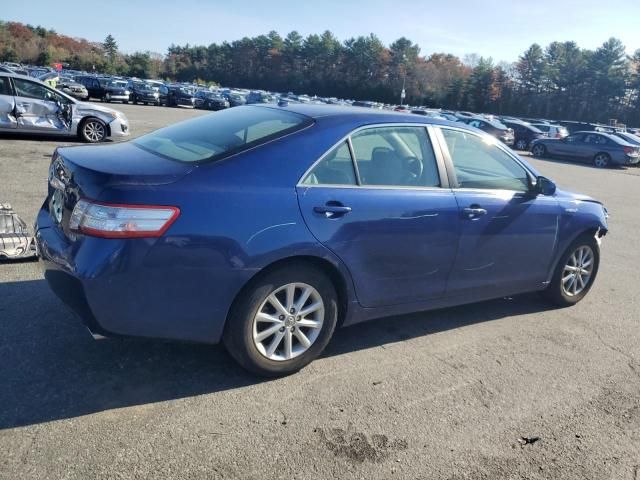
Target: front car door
[
  {"x": 380, "y": 201},
  {"x": 39, "y": 109},
  {"x": 572, "y": 146},
  {"x": 508, "y": 233},
  {"x": 7, "y": 105}
]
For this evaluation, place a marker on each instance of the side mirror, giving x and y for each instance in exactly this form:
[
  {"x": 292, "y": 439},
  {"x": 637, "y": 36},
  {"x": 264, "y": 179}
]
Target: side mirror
[{"x": 544, "y": 186}]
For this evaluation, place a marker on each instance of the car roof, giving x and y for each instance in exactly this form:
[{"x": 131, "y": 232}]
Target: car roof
[
  {"x": 365, "y": 115},
  {"x": 19, "y": 75}
]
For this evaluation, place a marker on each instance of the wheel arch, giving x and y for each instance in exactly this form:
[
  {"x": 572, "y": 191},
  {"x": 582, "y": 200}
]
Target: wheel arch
[
  {"x": 592, "y": 230},
  {"x": 94, "y": 117},
  {"x": 326, "y": 266}
]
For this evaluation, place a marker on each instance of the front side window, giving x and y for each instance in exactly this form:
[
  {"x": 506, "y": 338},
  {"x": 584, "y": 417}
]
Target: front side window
[
  {"x": 395, "y": 156},
  {"x": 5, "y": 87},
  {"x": 25, "y": 88},
  {"x": 212, "y": 137},
  {"x": 480, "y": 164},
  {"x": 336, "y": 168}
]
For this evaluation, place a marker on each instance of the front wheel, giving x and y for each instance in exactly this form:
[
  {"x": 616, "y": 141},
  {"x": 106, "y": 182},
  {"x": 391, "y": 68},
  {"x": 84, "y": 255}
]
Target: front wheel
[
  {"x": 93, "y": 130},
  {"x": 575, "y": 273},
  {"x": 601, "y": 160},
  {"x": 539, "y": 151},
  {"x": 282, "y": 321}
]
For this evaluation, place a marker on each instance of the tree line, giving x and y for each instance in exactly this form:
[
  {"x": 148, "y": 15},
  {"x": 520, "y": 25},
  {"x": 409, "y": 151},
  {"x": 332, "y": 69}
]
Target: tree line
[{"x": 559, "y": 81}]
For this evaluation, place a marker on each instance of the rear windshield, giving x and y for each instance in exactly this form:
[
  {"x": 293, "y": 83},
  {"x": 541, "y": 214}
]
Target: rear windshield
[{"x": 221, "y": 134}]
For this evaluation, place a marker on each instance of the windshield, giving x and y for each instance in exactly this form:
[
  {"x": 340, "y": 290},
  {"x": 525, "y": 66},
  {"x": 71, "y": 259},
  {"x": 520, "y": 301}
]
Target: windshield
[{"x": 221, "y": 134}]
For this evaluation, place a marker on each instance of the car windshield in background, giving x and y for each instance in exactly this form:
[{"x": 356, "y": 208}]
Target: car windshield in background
[
  {"x": 142, "y": 85},
  {"x": 221, "y": 134}
]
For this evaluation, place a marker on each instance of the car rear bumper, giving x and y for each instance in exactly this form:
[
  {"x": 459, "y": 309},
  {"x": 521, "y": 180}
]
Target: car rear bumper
[{"x": 136, "y": 287}]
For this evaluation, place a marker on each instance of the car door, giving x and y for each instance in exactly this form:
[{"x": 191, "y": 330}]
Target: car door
[
  {"x": 380, "y": 201},
  {"x": 38, "y": 108},
  {"x": 507, "y": 233},
  {"x": 7, "y": 105},
  {"x": 571, "y": 146}
]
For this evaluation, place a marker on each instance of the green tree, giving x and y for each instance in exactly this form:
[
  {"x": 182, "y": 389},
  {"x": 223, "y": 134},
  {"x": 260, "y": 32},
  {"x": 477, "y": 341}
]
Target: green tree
[{"x": 110, "y": 48}]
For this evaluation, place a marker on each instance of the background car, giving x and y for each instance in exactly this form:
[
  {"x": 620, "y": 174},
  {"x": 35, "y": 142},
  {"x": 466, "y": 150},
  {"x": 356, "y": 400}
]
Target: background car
[
  {"x": 523, "y": 134},
  {"x": 142, "y": 92},
  {"x": 180, "y": 96},
  {"x": 552, "y": 131},
  {"x": 493, "y": 127},
  {"x": 72, "y": 88},
  {"x": 234, "y": 99},
  {"x": 202, "y": 226},
  {"x": 260, "y": 97},
  {"x": 210, "y": 100},
  {"x": 16, "y": 242},
  {"x": 32, "y": 107},
  {"x": 104, "y": 89},
  {"x": 601, "y": 149}
]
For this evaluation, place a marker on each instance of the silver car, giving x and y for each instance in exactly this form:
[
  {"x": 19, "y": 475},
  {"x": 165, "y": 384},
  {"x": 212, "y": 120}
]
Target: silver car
[
  {"x": 32, "y": 107},
  {"x": 15, "y": 240}
]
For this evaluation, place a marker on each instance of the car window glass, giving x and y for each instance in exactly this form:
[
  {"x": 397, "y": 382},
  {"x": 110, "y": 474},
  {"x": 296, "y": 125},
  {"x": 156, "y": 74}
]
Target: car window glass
[
  {"x": 25, "y": 88},
  {"x": 336, "y": 168},
  {"x": 5, "y": 87},
  {"x": 395, "y": 156},
  {"x": 479, "y": 163}
]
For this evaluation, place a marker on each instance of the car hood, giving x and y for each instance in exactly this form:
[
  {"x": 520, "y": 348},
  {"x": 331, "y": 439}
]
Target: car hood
[{"x": 573, "y": 196}]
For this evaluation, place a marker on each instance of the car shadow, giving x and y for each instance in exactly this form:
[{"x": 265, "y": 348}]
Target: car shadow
[{"x": 52, "y": 369}]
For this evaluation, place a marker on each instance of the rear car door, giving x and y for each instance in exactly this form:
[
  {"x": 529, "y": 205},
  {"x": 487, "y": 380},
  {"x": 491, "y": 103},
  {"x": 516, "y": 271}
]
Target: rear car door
[
  {"x": 380, "y": 201},
  {"x": 39, "y": 108},
  {"x": 7, "y": 105},
  {"x": 507, "y": 233}
]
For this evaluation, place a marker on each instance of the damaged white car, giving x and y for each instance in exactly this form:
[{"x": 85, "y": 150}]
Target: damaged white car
[
  {"x": 15, "y": 240},
  {"x": 31, "y": 107}
]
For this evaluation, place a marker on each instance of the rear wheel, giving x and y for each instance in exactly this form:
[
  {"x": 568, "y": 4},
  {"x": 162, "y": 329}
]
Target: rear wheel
[
  {"x": 93, "y": 130},
  {"x": 602, "y": 160},
  {"x": 521, "y": 144},
  {"x": 282, "y": 321},
  {"x": 539, "y": 151},
  {"x": 575, "y": 273}
]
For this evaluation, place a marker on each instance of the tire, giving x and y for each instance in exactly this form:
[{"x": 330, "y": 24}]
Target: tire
[
  {"x": 125, "y": 102},
  {"x": 107, "y": 98},
  {"x": 92, "y": 130},
  {"x": 521, "y": 144},
  {"x": 559, "y": 291},
  {"x": 602, "y": 160},
  {"x": 539, "y": 151},
  {"x": 243, "y": 325}
]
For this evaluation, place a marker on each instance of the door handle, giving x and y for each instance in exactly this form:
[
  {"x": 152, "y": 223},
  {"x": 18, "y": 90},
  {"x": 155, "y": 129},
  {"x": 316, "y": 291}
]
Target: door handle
[
  {"x": 474, "y": 211},
  {"x": 332, "y": 210}
]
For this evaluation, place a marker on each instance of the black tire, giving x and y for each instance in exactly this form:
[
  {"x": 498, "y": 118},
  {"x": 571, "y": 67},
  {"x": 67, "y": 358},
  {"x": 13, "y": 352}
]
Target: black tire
[
  {"x": 539, "y": 151},
  {"x": 238, "y": 334},
  {"x": 602, "y": 160},
  {"x": 555, "y": 291},
  {"x": 125, "y": 102},
  {"x": 85, "y": 133}
]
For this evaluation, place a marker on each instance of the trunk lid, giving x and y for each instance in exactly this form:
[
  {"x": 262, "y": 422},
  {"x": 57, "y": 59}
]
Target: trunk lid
[{"x": 84, "y": 172}]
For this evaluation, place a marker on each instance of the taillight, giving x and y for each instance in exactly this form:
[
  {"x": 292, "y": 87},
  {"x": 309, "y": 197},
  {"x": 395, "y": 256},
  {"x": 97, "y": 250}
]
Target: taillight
[
  {"x": 121, "y": 221},
  {"x": 628, "y": 150},
  {"x": 558, "y": 135}
]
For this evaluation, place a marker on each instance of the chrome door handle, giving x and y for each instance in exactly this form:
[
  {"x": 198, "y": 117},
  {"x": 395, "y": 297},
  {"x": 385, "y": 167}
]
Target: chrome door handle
[{"x": 473, "y": 212}]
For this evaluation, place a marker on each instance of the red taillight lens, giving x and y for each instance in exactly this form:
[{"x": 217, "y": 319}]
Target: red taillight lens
[
  {"x": 558, "y": 135},
  {"x": 121, "y": 221},
  {"x": 628, "y": 150}
]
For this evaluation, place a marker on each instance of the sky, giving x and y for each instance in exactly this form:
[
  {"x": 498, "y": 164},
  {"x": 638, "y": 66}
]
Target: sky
[{"x": 501, "y": 29}]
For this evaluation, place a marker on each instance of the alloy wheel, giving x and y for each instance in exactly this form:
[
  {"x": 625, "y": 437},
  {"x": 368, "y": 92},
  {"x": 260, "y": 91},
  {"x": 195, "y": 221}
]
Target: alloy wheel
[
  {"x": 288, "y": 322},
  {"x": 538, "y": 151},
  {"x": 601, "y": 160},
  {"x": 577, "y": 272},
  {"x": 94, "y": 131},
  {"x": 521, "y": 145}
]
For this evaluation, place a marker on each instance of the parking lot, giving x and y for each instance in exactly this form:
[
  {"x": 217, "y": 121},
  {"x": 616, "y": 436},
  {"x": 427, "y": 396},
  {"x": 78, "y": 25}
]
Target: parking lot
[{"x": 444, "y": 394}]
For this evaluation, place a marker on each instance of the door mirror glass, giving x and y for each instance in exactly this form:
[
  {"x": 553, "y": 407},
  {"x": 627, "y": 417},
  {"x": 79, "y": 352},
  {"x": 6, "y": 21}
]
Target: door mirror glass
[{"x": 544, "y": 186}]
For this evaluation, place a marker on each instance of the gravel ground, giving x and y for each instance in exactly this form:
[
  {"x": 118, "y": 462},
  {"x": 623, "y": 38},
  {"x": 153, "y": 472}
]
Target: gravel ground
[{"x": 439, "y": 395}]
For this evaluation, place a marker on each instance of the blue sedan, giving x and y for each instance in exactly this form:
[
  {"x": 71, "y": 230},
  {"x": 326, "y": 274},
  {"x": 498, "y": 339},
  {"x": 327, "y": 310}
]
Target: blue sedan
[{"x": 266, "y": 227}]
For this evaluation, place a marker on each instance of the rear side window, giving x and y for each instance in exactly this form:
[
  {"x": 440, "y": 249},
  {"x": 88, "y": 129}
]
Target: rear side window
[
  {"x": 336, "y": 168},
  {"x": 5, "y": 87},
  {"x": 221, "y": 134},
  {"x": 395, "y": 156}
]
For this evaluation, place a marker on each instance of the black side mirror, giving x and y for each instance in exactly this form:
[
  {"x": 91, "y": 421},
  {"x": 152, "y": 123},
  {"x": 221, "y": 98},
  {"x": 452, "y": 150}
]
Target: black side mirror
[{"x": 544, "y": 186}]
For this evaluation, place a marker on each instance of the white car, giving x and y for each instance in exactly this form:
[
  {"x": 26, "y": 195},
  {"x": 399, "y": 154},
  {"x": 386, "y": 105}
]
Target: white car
[
  {"x": 552, "y": 131},
  {"x": 29, "y": 106}
]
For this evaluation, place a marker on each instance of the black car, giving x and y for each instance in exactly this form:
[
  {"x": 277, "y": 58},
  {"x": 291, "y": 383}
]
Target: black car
[
  {"x": 143, "y": 92},
  {"x": 235, "y": 99},
  {"x": 492, "y": 127},
  {"x": 523, "y": 133},
  {"x": 210, "y": 100},
  {"x": 104, "y": 89},
  {"x": 180, "y": 96},
  {"x": 260, "y": 97}
]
